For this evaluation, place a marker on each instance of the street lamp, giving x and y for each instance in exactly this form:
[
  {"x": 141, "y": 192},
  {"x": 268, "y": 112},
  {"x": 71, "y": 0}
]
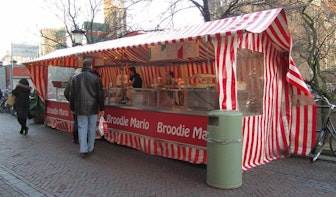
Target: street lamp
[{"x": 78, "y": 37}]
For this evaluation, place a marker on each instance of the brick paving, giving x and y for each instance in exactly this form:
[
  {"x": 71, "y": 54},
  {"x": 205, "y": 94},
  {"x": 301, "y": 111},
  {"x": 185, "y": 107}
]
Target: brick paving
[{"x": 46, "y": 163}]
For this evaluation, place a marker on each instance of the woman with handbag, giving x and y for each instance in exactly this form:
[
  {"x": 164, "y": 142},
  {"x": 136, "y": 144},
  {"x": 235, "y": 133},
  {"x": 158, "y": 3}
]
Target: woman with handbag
[{"x": 21, "y": 105}]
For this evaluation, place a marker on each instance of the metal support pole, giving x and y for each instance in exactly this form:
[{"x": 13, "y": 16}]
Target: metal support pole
[{"x": 11, "y": 69}]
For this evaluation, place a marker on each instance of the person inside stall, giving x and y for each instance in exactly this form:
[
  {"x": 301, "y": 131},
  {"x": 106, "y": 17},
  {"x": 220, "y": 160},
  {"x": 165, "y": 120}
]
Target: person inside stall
[
  {"x": 135, "y": 79},
  {"x": 170, "y": 80},
  {"x": 171, "y": 83}
]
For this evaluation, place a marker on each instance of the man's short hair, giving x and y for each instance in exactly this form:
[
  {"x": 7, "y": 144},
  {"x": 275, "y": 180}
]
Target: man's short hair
[
  {"x": 171, "y": 73},
  {"x": 132, "y": 69},
  {"x": 87, "y": 63}
]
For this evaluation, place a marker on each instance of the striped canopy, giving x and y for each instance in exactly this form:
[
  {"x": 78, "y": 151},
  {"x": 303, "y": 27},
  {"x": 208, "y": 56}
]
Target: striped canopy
[
  {"x": 285, "y": 126},
  {"x": 272, "y": 22}
]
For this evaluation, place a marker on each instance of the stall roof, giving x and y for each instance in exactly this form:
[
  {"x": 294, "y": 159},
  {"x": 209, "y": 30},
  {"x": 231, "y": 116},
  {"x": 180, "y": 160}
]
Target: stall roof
[{"x": 254, "y": 22}]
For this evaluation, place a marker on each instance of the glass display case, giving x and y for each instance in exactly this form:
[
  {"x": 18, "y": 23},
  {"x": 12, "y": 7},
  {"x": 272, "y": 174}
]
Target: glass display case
[
  {"x": 59, "y": 87},
  {"x": 200, "y": 99},
  {"x": 58, "y": 78}
]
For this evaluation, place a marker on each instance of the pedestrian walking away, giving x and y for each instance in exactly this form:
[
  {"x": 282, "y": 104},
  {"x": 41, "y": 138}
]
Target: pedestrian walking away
[
  {"x": 86, "y": 101},
  {"x": 21, "y": 105}
]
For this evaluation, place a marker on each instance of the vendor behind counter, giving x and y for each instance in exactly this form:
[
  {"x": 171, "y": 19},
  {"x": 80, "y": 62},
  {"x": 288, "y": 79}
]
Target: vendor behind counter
[
  {"x": 171, "y": 82},
  {"x": 135, "y": 79}
]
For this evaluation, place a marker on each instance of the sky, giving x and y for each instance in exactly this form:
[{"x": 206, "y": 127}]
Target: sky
[{"x": 21, "y": 20}]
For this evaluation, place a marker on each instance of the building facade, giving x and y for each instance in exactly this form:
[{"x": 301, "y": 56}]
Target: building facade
[{"x": 115, "y": 17}]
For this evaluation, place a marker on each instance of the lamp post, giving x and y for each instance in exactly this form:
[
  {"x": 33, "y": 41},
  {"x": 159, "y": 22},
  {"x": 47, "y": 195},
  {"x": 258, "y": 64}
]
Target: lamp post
[{"x": 78, "y": 37}]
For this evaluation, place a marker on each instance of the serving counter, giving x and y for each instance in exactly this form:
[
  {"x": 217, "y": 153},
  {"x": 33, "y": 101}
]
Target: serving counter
[{"x": 159, "y": 121}]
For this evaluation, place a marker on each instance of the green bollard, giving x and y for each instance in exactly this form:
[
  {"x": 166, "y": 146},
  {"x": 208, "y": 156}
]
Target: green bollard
[{"x": 224, "y": 149}]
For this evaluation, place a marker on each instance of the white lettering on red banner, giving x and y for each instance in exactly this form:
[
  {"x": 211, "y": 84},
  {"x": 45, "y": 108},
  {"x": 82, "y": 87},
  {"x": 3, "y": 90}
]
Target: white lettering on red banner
[
  {"x": 140, "y": 124},
  {"x": 180, "y": 128},
  {"x": 173, "y": 130},
  {"x": 57, "y": 111},
  {"x": 174, "y": 127},
  {"x": 121, "y": 121}
]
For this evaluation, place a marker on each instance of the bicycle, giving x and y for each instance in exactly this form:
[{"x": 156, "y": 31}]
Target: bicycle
[
  {"x": 4, "y": 108},
  {"x": 327, "y": 131}
]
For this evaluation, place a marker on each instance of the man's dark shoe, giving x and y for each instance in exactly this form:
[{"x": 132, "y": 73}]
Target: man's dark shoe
[
  {"x": 91, "y": 152},
  {"x": 84, "y": 154}
]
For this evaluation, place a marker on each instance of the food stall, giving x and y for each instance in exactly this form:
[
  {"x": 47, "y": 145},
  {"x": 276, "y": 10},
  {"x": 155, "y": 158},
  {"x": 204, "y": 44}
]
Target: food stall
[{"x": 240, "y": 63}]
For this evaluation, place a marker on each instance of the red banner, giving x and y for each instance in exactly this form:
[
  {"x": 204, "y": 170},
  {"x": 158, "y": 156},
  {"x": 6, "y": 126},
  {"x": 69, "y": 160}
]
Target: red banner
[
  {"x": 59, "y": 110},
  {"x": 180, "y": 128}
]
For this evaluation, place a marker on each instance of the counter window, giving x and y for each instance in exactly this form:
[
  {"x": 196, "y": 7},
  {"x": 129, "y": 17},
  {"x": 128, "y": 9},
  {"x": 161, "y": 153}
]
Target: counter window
[
  {"x": 250, "y": 82},
  {"x": 58, "y": 77}
]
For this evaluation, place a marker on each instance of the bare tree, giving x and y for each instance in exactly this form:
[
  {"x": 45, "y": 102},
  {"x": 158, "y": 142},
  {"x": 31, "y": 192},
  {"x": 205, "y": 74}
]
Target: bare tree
[
  {"x": 212, "y": 10},
  {"x": 316, "y": 38},
  {"x": 72, "y": 13},
  {"x": 77, "y": 14}
]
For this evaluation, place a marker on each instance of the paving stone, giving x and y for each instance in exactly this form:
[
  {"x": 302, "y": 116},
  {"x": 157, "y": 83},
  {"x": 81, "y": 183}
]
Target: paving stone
[{"x": 47, "y": 163}]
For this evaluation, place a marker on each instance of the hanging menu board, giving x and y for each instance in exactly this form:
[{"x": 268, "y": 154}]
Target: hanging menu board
[{"x": 182, "y": 50}]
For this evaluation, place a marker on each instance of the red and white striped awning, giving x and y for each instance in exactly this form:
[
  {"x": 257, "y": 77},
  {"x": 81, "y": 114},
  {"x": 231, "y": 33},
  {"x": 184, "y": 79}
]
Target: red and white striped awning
[
  {"x": 271, "y": 23},
  {"x": 255, "y": 22}
]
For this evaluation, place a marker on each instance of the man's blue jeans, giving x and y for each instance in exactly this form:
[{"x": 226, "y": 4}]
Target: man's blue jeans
[{"x": 86, "y": 132}]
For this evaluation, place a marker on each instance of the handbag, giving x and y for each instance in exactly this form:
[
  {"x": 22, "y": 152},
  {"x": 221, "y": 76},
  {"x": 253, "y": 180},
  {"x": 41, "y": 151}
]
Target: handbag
[
  {"x": 102, "y": 126},
  {"x": 10, "y": 100}
]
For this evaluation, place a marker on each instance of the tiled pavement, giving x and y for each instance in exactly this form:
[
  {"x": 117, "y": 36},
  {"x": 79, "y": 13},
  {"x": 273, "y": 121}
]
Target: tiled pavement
[{"x": 46, "y": 163}]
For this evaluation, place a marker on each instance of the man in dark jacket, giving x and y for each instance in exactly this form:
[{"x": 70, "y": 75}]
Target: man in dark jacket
[
  {"x": 135, "y": 79},
  {"x": 86, "y": 99}
]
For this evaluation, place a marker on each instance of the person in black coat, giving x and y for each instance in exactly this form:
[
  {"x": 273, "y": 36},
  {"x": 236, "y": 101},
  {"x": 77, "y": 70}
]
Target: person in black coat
[
  {"x": 135, "y": 79},
  {"x": 21, "y": 105},
  {"x": 86, "y": 100}
]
